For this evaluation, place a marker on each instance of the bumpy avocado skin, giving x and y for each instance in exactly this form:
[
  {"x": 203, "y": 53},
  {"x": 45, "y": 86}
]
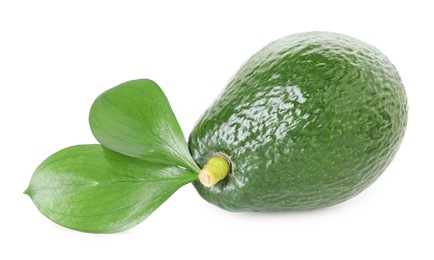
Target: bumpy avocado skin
[{"x": 309, "y": 121}]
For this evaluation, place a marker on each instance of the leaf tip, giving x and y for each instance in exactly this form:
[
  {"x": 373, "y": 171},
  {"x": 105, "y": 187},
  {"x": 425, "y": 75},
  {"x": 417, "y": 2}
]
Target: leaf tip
[{"x": 29, "y": 192}]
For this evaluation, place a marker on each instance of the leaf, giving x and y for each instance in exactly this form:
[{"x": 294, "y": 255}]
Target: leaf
[
  {"x": 93, "y": 189},
  {"x": 135, "y": 118}
]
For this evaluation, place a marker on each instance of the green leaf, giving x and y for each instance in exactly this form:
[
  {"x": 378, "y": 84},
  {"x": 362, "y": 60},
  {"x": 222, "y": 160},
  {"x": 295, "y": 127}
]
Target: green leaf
[
  {"x": 135, "y": 118},
  {"x": 93, "y": 189}
]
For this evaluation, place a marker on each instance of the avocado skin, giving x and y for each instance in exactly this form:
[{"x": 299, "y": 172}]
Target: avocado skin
[{"x": 309, "y": 121}]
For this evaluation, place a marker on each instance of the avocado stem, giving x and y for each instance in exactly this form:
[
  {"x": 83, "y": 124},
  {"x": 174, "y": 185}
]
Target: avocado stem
[{"x": 215, "y": 170}]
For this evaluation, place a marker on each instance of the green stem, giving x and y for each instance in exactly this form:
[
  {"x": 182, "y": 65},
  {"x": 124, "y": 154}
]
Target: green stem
[{"x": 216, "y": 169}]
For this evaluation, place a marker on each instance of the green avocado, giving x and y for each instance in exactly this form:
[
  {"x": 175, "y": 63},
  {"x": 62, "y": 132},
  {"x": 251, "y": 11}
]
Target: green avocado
[{"x": 309, "y": 121}]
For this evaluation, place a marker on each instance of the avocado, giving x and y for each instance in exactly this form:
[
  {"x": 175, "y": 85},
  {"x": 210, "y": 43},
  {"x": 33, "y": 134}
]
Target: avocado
[{"x": 309, "y": 121}]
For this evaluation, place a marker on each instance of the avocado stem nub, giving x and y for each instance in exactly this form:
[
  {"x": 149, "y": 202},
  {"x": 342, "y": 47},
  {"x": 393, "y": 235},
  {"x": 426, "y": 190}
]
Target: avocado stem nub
[{"x": 215, "y": 170}]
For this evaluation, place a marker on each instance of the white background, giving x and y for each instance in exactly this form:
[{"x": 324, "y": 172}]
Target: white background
[{"x": 56, "y": 57}]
